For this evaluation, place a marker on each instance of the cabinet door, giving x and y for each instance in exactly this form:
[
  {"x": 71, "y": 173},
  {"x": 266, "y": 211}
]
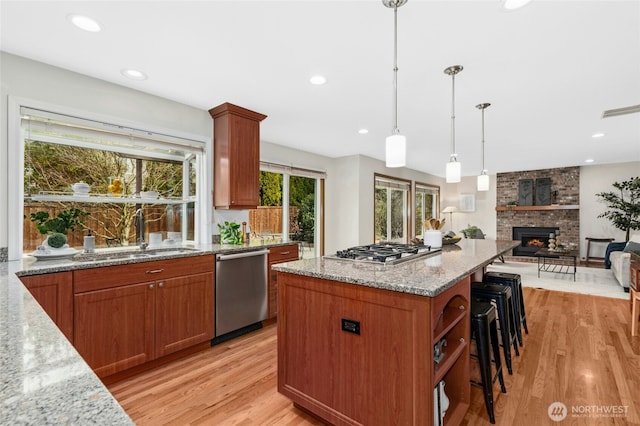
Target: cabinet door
[
  {"x": 279, "y": 254},
  {"x": 113, "y": 328},
  {"x": 184, "y": 312},
  {"x": 245, "y": 159},
  {"x": 54, "y": 292}
]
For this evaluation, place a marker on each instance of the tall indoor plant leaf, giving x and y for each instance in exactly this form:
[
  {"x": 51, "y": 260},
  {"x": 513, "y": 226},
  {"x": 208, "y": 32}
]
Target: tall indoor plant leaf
[{"x": 624, "y": 205}]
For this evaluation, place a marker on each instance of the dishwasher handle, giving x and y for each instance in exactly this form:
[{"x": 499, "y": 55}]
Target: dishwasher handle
[{"x": 222, "y": 257}]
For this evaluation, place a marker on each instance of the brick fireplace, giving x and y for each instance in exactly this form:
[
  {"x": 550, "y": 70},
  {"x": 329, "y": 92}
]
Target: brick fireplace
[{"x": 563, "y": 213}]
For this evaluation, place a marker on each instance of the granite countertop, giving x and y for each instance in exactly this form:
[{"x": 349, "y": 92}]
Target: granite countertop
[
  {"x": 31, "y": 266},
  {"x": 426, "y": 276},
  {"x": 44, "y": 381}
]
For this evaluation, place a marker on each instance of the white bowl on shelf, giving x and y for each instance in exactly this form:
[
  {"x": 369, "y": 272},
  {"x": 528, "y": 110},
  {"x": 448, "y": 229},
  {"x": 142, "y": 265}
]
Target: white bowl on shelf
[{"x": 149, "y": 194}]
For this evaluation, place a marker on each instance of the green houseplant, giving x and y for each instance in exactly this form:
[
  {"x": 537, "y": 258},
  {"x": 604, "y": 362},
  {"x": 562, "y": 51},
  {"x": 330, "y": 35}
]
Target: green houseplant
[
  {"x": 624, "y": 205},
  {"x": 56, "y": 228},
  {"x": 470, "y": 231},
  {"x": 230, "y": 233}
]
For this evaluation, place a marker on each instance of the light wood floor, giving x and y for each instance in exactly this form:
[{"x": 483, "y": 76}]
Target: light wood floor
[{"x": 579, "y": 352}]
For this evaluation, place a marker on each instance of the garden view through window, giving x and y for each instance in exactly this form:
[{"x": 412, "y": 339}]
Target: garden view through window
[{"x": 125, "y": 174}]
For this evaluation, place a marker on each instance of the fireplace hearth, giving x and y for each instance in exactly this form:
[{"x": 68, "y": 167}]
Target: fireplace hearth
[{"x": 532, "y": 238}]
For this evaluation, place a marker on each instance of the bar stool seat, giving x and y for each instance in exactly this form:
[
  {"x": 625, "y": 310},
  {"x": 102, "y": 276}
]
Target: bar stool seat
[
  {"x": 484, "y": 331},
  {"x": 501, "y": 296},
  {"x": 514, "y": 281}
]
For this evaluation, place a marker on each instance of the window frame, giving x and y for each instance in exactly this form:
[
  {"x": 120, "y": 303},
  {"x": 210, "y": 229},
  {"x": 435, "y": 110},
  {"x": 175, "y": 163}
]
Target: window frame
[
  {"x": 15, "y": 169},
  {"x": 407, "y": 208},
  {"x": 436, "y": 189}
]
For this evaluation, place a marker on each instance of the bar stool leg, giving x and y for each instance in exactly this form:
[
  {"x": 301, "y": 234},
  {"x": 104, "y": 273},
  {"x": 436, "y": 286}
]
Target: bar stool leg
[
  {"x": 495, "y": 346},
  {"x": 482, "y": 344}
]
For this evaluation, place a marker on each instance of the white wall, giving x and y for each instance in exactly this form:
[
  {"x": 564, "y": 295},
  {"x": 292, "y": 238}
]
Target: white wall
[
  {"x": 595, "y": 179},
  {"x": 484, "y": 216}
]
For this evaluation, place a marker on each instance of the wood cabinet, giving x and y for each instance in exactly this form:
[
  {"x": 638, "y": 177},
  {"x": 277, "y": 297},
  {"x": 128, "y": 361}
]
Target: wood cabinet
[
  {"x": 54, "y": 292},
  {"x": 279, "y": 254},
  {"x": 353, "y": 354},
  {"x": 236, "y": 157},
  {"x": 634, "y": 267},
  {"x": 131, "y": 314}
]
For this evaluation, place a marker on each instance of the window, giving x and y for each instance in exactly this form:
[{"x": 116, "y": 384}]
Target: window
[
  {"x": 427, "y": 204},
  {"x": 118, "y": 163},
  {"x": 391, "y": 209},
  {"x": 290, "y": 207}
]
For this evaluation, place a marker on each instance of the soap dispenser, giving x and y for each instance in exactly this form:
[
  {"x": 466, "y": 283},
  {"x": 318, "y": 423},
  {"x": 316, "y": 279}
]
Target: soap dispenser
[{"x": 89, "y": 243}]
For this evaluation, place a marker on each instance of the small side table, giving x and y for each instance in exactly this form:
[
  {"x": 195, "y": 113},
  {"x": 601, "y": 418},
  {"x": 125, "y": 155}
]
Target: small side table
[{"x": 595, "y": 240}]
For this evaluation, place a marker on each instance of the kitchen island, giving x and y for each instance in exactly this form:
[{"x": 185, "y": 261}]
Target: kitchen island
[{"x": 356, "y": 340}]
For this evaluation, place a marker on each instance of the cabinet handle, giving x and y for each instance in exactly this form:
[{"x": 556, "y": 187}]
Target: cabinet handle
[
  {"x": 461, "y": 307},
  {"x": 154, "y": 271},
  {"x": 151, "y": 286},
  {"x": 160, "y": 285},
  {"x": 285, "y": 253},
  {"x": 462, "y": 340}
]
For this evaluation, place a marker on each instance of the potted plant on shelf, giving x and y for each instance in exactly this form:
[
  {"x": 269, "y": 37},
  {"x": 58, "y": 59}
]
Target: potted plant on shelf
[{"x": 624, "y": 205}]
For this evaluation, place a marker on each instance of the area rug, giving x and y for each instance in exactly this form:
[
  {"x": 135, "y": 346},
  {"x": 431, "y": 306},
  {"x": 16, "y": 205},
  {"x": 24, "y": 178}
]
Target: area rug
[{"x": 593, "y": 281}]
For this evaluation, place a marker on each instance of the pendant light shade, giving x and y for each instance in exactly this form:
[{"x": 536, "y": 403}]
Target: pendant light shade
[
  {"x": 483, "y": 182},
  {"x": 396, "y": 150},
  {"x": 396, "y": 144},
  {"x": 453, "y": 171},
  {"x": 483, "y": 178}
]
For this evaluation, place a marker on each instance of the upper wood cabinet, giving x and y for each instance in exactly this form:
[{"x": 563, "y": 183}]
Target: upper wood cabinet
[
  {"x": 236, "y": 157},
  {"x": 54, "y": 292}
]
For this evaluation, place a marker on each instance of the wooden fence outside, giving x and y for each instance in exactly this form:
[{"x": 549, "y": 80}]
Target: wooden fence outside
[
  {"x": 268, "y": 220},
  {"x": 111, "y": 224}
]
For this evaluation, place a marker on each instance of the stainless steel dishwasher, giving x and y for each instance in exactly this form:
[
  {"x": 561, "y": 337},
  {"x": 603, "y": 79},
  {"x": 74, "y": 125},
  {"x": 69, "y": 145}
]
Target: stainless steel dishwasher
[{"x": 241, "y": 290}]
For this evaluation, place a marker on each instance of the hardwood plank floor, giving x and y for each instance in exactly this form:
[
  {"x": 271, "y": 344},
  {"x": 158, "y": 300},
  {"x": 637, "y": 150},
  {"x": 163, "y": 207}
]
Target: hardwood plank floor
[{"x": 578, "y": 352}]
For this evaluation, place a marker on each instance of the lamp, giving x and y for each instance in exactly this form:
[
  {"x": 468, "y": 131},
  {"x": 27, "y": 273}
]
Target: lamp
[
  {"x": 483, "y": 178},
  {"x": 396, "y": 144},
  {"x": 451, "y": 210},
  {"x": 454, "y": 168}
]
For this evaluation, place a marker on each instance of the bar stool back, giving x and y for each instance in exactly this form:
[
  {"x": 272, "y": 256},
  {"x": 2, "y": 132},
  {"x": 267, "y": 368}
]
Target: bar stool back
[{"x": 514, "y": 281}]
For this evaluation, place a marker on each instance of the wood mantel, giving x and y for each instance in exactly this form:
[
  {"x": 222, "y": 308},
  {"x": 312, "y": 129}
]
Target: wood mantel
[{"x": 532, "y": 208}]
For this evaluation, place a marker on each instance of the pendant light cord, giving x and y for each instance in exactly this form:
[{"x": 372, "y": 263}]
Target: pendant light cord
[
  {"x": 453, "y": 116},
  {"x": 395, "y": 69},
  {"x": 483, "y": 170}
]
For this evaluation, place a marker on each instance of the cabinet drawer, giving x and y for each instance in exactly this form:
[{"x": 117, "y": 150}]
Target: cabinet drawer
[
  {"x": 119, "y": 275},
  {"x": 283, "y": 253}
]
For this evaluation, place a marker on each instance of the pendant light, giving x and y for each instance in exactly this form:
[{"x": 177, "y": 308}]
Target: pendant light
[
  {"x": 454, "y": 168},
  {"x": 396, "y": 144},
  {"x": 483, "y": 178}
]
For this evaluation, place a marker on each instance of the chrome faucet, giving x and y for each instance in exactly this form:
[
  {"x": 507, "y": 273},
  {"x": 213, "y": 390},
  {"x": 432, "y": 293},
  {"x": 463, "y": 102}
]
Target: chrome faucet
[{"x": 139, "y": 224}]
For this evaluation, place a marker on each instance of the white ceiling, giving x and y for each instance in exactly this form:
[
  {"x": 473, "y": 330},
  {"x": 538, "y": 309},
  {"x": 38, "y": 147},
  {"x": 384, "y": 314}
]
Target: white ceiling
[{"x": 549, "y": 70}]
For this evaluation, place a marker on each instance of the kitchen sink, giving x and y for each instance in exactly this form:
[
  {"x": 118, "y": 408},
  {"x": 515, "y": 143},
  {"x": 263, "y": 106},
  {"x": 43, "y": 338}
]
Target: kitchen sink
[{"x": 130, "y": 254}]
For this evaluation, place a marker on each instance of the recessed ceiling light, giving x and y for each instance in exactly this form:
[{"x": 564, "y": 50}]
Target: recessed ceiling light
[
  {"x": 589, "y": 160},
  {"x": 363, "y": 131},
  {"x": 84, "y": 23},
  {"x": 133, "y": 74},
  {"x": 318, "y": 80},
  {"x": 597, "y": 135},
  {"x": 514, "y": 4}
]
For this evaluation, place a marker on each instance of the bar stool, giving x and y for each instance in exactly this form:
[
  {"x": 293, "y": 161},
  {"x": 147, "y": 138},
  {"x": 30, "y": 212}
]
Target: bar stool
[
  {"x": 513, "y": 281},
  {"x": 484, "y": 331},
  {"x": 501, "y": 296},
  {"x": 595, "y": 240}
]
